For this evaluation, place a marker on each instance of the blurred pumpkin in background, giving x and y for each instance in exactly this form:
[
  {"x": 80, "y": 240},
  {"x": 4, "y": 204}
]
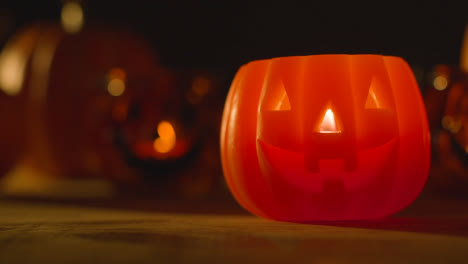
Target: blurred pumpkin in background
[
  {"x": 455, "y": 117},
  {"x": 14, "y": 60},
  {"x": 452, "y": 135},
  {"x": 446, "y": 101},
  {"x": 99, "y": 105}
]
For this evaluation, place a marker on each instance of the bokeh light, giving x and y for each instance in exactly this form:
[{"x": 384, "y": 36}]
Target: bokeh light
[
  {"x": 201, "y": 85},
  {"x": 116, "y": 87},
  {"x": 12, "y": 66},
  {"x": 72, "y": 17},
  {"x": 116, "y": 84},
  {"x": 440, "y": 83}
]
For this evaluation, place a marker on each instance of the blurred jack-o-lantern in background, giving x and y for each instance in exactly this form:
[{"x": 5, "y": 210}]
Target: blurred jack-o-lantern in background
[
  {"x": 98, "y": 104},
  {"x": 160, "y": 141},
  {"x": 185, "y": 134},
  {"x": 446, "y": 101}
]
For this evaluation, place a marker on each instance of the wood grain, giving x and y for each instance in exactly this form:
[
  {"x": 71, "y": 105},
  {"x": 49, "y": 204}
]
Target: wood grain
[{"x": 32, "y": 232}]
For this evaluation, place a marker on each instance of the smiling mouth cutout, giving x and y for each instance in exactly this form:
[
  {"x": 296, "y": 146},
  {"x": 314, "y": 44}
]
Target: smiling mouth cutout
[{"x": 370, "y": 163}]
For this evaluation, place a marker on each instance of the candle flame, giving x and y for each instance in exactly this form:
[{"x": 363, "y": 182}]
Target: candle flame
[
  {"x": 328, "y": 124},
  {"x": 167, "y": 137}
]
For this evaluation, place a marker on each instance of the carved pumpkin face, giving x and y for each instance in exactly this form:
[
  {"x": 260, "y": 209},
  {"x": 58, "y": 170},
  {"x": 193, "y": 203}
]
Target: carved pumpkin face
[
  {"x": 339, "y": 131},
  {"x": 327, "y": 137}
]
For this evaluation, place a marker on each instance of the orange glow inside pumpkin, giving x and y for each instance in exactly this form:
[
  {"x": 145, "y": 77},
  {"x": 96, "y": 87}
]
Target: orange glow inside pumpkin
[
  {"x": 328, "y": 124},
  {"x": 167, "y": 138}
]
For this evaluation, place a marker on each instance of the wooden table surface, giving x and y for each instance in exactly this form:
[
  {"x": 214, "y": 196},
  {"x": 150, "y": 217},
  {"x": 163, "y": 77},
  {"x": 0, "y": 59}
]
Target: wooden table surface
[{"x": 48, "y": 232}]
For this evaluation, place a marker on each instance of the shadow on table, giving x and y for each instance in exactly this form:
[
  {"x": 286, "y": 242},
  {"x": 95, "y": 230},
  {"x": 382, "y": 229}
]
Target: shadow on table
[
  {"x": 442, "y": 225},
  {"x": 223, "y": 205},
  {"x": 432, "y": 215}
]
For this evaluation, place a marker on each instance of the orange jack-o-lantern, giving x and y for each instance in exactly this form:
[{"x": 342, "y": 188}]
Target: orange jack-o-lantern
[
  {"x": 74, "y": 85},
  {"x": 325, "y": 137}
]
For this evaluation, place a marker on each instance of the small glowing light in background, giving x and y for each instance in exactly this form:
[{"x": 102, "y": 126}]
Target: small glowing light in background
[
  {"x": 116, "y": 87},
  {"x": 328, "y": 124},
  {"x": 12, "y": 67},
  {"x": 200, "y": 87},
  {"x": 116, "y": 84},
  {"x": 167, "y": 137},
  {"x": 440, "y": 83},
  {"x": 72, "y": 17},
  {"x": 446, "y": 122},
  {"x": 449, "y": 123}
]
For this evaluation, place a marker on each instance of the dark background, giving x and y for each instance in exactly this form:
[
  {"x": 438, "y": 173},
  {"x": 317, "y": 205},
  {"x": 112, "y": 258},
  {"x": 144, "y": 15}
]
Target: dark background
[
  {"x": 48, "y": 224},
  {"x": 213, "y": 38},
  {"x": 221, "y": 35}
]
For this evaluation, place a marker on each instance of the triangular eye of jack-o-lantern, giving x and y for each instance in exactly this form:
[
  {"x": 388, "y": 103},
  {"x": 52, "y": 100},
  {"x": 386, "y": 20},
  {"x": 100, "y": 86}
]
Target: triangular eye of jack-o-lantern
[
  {"x": 372, "y": 102},
  {"x": 283, "y": 104},
  {"x": 276, "y": 98},
  {"x": 329, "y": 123}
]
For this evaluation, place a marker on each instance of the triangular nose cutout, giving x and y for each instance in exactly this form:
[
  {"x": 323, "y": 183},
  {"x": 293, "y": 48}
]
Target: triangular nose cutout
[
  {"x": 329, "y": 123},
  {"x": 372, "y": 102}
]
